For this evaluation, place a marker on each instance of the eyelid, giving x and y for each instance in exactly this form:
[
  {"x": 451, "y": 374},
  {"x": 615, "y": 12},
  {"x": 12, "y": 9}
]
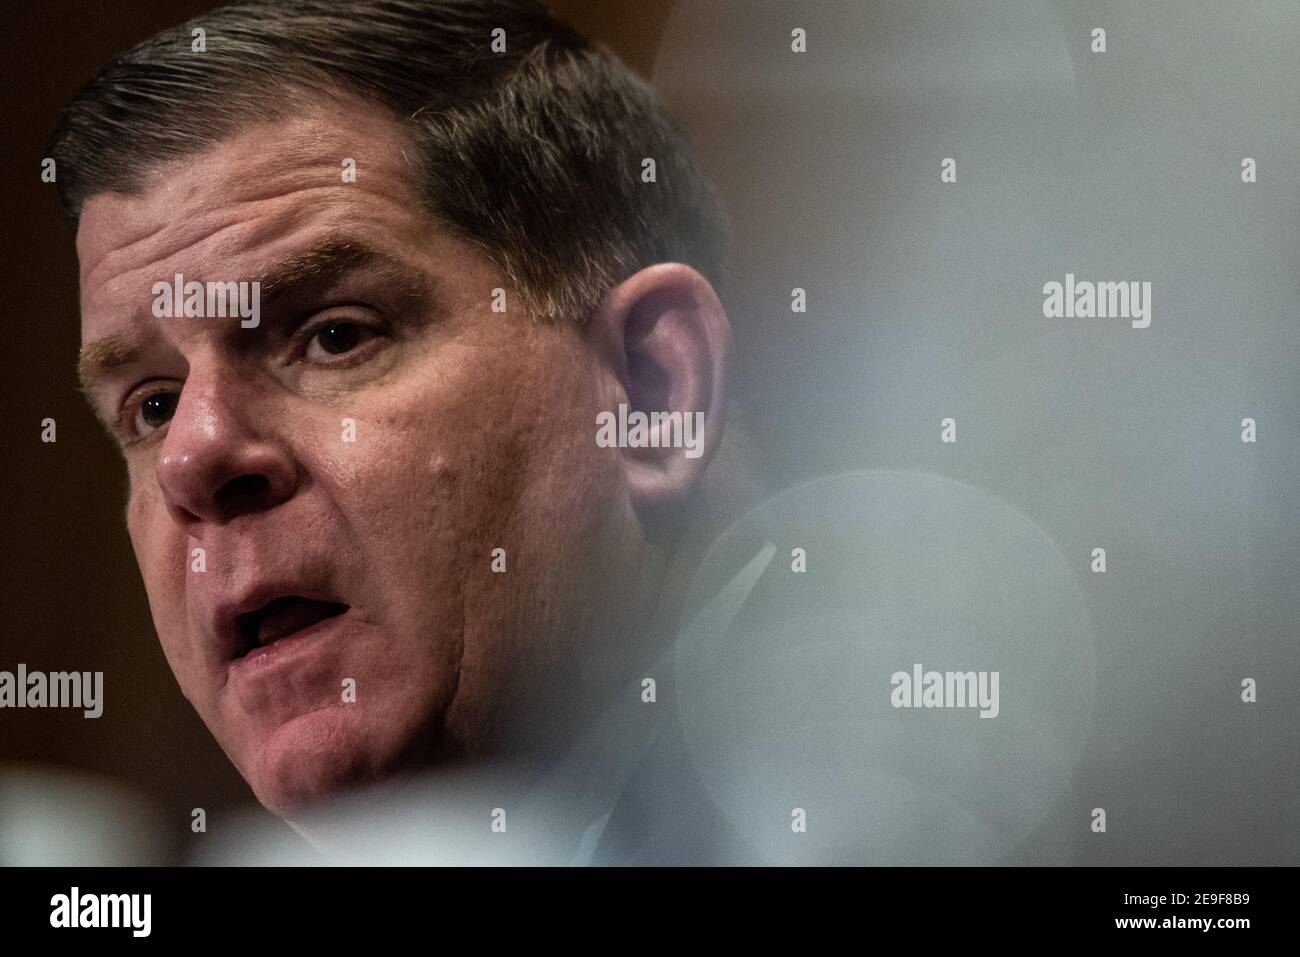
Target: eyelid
[
  {"x": 122, "y": 424},
  {"x": 332, "y": 315},
  {"x": 124, "y": 421}
]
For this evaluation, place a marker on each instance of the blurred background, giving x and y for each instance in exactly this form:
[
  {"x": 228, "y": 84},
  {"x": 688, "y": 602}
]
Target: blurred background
[{"x": 924, "y": 301}]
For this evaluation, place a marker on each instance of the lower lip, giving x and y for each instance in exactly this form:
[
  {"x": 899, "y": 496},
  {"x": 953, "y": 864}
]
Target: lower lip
[{"x": 291, "y": 646}]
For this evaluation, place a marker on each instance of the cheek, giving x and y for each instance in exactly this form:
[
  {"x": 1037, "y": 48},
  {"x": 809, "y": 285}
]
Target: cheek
[
  {"x": 458, "y": 436},
  {"x": 423, "y": 496},
  {"x": 474, "y": 454},
  {"x": 146, "y": 532},
  {"x": 163, "y": 563}
]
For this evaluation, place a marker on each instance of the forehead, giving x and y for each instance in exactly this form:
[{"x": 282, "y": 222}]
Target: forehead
[{"x": 257, "y": 196}]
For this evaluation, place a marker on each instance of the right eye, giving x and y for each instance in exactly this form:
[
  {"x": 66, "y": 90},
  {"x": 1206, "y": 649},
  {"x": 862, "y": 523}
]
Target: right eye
[{"x": 154, "y": 412}]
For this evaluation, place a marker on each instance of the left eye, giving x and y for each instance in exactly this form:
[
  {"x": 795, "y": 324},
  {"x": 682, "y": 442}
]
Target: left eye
[{"x": 336, "y": 338}]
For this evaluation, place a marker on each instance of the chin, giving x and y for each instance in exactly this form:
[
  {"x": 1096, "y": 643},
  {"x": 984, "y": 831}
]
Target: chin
[{"x": 319, "y": 755}]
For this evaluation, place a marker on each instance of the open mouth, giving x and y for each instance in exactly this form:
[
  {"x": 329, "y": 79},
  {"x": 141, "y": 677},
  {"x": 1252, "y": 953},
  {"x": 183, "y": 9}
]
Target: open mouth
[{"x": 283, "y": 617}]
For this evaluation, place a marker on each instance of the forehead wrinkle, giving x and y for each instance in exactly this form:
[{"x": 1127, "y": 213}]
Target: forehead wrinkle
[
  {"x": 130, "y": 244},
  {"x": 184, "y": 230},
  {"x": 261, "y": 160}
]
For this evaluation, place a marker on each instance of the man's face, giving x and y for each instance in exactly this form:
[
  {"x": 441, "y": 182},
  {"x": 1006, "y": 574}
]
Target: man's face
[{"x": 348, "y": 465}]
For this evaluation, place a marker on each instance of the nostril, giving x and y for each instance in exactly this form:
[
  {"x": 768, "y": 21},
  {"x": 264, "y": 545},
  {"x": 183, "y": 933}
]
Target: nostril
[
  {"x": 219, "y": 473},
  {"x": 244, "y": 490}
]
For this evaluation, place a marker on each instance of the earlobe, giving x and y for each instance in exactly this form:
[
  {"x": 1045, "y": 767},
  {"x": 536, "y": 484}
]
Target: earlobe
[{"x": 667, "y": 342}]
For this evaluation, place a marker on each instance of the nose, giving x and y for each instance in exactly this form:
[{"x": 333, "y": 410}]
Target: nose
[{"x": 216, "y": 462}]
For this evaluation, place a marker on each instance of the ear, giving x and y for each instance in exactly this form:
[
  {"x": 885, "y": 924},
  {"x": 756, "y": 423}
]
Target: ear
[{"x": 664, "y": 344}]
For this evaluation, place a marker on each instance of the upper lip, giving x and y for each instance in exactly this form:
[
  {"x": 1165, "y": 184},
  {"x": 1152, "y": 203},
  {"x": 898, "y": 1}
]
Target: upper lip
[{"x": 231, "y": 628}]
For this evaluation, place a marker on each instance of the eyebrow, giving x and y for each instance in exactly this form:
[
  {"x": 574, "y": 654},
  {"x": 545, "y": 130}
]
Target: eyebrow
[
  {"x": 99, "y": 359},
  {"x": 333, "y": 258},
  {"x": 327, "y": 262}
]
